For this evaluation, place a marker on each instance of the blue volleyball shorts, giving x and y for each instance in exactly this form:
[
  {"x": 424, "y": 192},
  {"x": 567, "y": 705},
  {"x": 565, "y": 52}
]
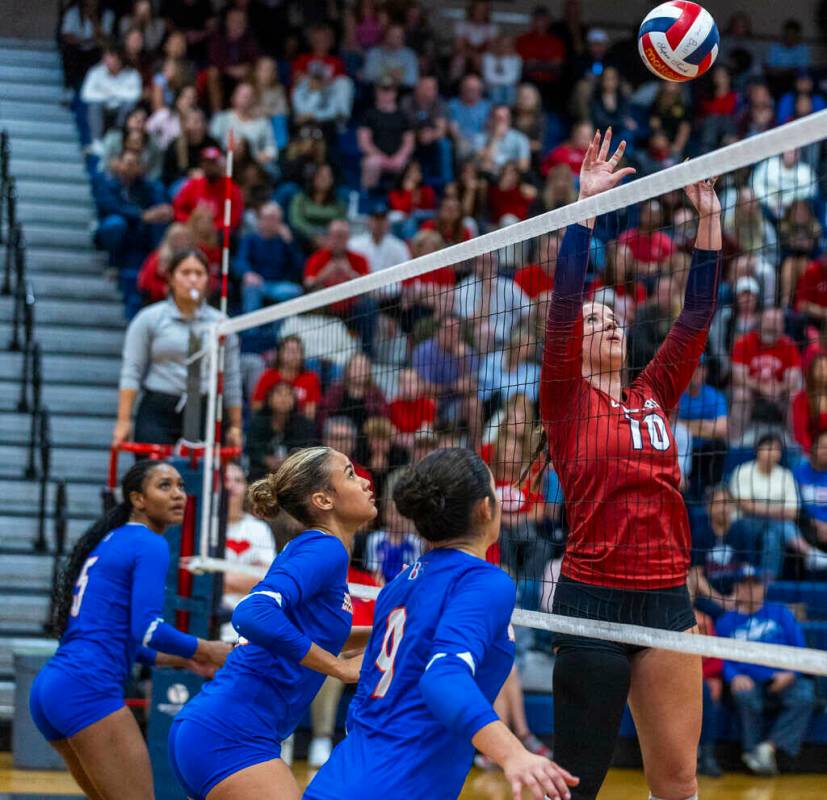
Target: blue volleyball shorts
[
  {"x": 201, "y": 757},
  {"x": 62, "y": 706}
]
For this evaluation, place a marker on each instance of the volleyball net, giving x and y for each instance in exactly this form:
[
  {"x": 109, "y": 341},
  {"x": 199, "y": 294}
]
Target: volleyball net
[{"x": 445, "y": 349}]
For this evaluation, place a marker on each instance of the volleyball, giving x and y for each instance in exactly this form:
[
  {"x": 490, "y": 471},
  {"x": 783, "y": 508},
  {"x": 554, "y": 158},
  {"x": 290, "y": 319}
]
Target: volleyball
[{"x": 678, "y": 41}]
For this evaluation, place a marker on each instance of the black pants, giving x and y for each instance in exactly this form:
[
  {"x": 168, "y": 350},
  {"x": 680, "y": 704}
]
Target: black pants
[
  {"x": 158, "y": 420},
  {"x": 592, "y": 676}
]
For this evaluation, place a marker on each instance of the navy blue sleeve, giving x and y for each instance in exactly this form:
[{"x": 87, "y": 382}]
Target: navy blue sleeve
[
  {"x": 562, "y": 351},
  {"x": 294, "y": 578},
  {"x": 149, "y": 576},
  {"x": 477, "y": 613}
]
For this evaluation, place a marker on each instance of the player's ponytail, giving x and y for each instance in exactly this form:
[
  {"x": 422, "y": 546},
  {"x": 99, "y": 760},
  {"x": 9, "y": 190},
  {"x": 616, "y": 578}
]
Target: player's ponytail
[
  {"x": 440, "y": 492},
  {"x": 291, "y": 486},
  {"x": 63, "y": 589},
  {"x": 540, "y": 449}
]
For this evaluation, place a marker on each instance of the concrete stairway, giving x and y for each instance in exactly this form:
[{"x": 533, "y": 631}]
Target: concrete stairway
[{"x": 79, "y": 323}]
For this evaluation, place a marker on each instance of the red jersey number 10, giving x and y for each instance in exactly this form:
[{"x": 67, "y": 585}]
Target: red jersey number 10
[{"x": 655, "y": 428}]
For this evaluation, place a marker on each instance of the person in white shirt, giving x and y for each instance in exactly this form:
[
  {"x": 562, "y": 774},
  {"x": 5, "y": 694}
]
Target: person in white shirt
[
  {"x": 502, "y": 69},
  {"x": 392, "y": 59},
  {"x": 245, "y": 120},
  {"x": 249, "y": 542},
  {"x": 766, "y": 496},
  {"x": 494, "y": 304},
  {"x": 110, "y": 91},
  {"x": 380, "y": 248},
  {"x": 781, "y": 180}
]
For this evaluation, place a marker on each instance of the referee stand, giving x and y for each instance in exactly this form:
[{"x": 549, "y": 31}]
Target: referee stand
[{"x": 191, "y": 600}]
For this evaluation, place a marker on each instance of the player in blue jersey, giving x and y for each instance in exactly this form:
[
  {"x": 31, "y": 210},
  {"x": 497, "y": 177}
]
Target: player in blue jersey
[
  {"x": 108, "y": 605},
  {"x": 440, "y": 650},
  {"x": 226, "y": 742}
]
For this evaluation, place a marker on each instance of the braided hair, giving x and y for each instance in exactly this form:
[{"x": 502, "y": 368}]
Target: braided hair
[{"x": 63, "y": 589}]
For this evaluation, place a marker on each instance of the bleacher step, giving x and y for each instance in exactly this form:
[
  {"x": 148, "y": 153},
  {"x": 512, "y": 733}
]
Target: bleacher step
[
  {"x": 23, "y": 111},
  {"x": 71, "y": 313},
  {"x": 64, "y": 237},
  {"x": 79, "y": 399},
  {"x": 70, "y": 287},
  {"x": 48, "y": 93},
  {"x": 19, "y": 533},
  {"x": 40, "y": 190},
  {"x": 86, "y": 370},
  {"x": 68, "y": 463},
  {"x": 63, "y": 261},
  {"x": 66, "y": 431},
  {"x": 82, "y": 216},
  {"x": 21, "y": 614},
  {"x": 32, "y": 573},
  {"x": 22, "y": 497},
  {"x": 28, "y": 74},
  {"x": 25, "y": 148},
  {"x": 63, "y": 172}
]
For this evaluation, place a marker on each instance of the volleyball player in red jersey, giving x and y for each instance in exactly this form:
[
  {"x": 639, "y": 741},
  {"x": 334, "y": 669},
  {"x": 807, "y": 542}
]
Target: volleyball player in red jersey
[{"x": 627, "y": 554}]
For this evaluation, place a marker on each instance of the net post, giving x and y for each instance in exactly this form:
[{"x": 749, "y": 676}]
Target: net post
[{"x": 210, "y": 444}]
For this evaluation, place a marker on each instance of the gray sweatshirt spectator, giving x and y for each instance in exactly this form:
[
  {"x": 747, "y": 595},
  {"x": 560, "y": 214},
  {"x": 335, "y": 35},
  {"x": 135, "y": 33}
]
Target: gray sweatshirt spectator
[{"x": 157, "y": 345}]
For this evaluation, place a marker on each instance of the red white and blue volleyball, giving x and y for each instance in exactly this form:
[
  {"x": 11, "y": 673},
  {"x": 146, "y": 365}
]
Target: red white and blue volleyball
[{"x": 678, "y": 41}]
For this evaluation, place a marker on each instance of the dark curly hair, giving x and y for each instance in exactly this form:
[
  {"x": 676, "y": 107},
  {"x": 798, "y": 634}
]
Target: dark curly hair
[
  {"x": 440, "y": 492},
  {"x": 64, "y": 586}
]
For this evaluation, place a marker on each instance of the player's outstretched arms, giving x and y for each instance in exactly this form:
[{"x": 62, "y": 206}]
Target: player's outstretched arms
[{"x": 523, "y": 770}]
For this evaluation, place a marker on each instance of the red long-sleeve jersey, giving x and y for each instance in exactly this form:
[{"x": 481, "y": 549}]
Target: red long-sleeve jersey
[{"x": 617, "y": 460}]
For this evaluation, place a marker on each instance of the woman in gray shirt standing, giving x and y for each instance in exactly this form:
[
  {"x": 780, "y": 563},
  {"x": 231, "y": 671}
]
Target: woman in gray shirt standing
[{"x": 159, "y": 340}]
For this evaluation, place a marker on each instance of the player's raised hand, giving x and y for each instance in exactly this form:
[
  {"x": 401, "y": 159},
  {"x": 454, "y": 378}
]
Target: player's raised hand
[
  {"x": 543, "y": 778},
  {"x": 703, "y": 197},
  {"x": 599, "y": 171}
]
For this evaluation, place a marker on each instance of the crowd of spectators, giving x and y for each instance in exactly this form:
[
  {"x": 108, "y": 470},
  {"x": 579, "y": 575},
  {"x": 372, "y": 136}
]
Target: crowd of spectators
[{"x": 365, "y": 134}]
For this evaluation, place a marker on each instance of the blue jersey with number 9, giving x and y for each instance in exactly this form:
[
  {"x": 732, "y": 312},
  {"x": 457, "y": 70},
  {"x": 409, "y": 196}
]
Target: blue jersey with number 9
[{"x": 439, "y": 653}]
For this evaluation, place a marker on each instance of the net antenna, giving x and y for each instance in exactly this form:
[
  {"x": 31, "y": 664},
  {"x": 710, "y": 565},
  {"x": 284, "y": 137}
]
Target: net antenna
[{"x": 215, "y": 405}]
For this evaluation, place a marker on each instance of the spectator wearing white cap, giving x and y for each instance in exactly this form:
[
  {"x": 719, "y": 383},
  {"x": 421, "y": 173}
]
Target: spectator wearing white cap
[{"x": 732, "y": 321}]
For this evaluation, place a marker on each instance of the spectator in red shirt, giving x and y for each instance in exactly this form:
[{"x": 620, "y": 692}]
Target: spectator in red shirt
[
  {"x": 811, "y": 291},
  {"x": 449, "y": 222},
  {"x": 209, "y": 189},
  {"x": 717, "y": 109},
  {"x": 231, "y": 54},
  {"x": 320, "y": 39},
  {"x": 411, "y": 194},
  {"x": 412, "y": 409},
  {"x": 572, "y": 151},
  {"x": 648, "y": 245},
  {"x": 289, "y": 367},
  {"x": 510, "y": 195},
  {"x": 809, "y": 409},
  {"x": 335, "y": 264},
  {"x": 766, "y": 371},
  {"x": 537, "y": 279},
  {"x": 543, "y": 53},
  {"x": 153, "y": 282}
]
